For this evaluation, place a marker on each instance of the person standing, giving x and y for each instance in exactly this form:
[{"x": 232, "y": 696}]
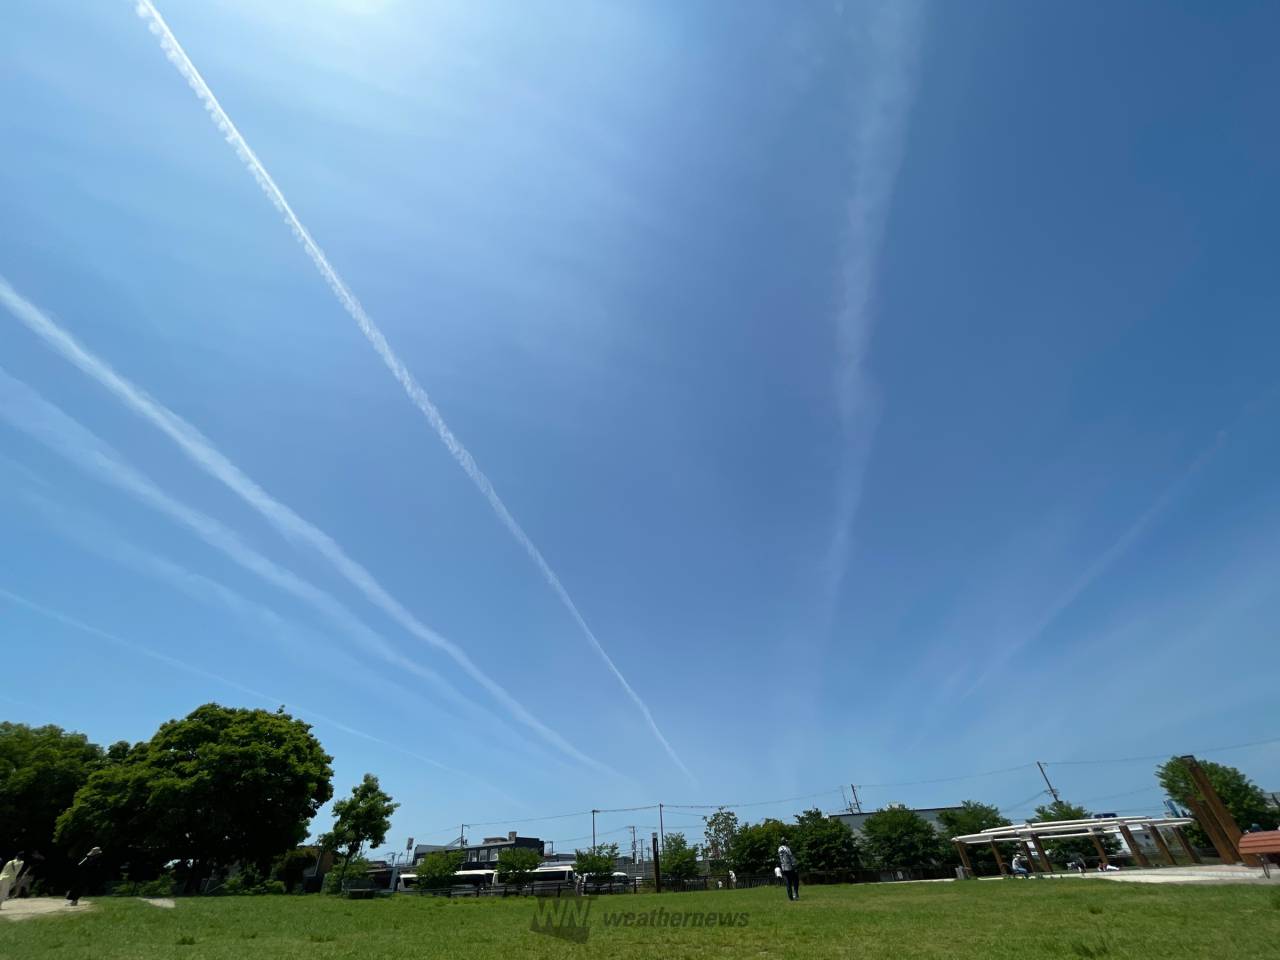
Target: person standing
[
  {"x": 790, "y": 873},
  {"x": 9, "y": 875},
  {"x": 86, "y": 870}
]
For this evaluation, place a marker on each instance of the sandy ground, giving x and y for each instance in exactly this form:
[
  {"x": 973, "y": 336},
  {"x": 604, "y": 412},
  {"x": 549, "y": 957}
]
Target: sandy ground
[
  {"x": 165, "y": 902},
  {"x": 29, "y": 907}
]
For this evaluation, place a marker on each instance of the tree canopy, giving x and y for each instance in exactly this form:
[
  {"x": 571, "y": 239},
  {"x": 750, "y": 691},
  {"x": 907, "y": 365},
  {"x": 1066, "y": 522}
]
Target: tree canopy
[
  {"x": 720, "y": 830},
  {"x": 41, "y": 768},
  {"x": 220, "y": 786},
  {"x": 516, "y": 864},
  {"x": 822, "y": 844},
  {"x": 899, "y": 837},
  {"x": 1067, "y": 849},
  {"x": 974, "y": 817},
  {"x": 755, "y": 847},
  {"x": 1244, "y": 799},
  {"x": 436, "y": 869},
  {"x": 596, "y": 863},
  {"x": 679, "y": 857},
  {"x": 362, "y": 818}
]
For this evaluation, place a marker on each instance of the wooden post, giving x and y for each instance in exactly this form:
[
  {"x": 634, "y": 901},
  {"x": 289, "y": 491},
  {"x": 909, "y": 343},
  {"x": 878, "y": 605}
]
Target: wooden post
[
  {"x": 964, "y": 858},
  {"x": 1132, "y": 844},
  {"x": 657, "y": 866},
  {"x": 999, "y": 859},
  {"x": 1102, "y": 851},
  {"x": 1187, "y": 848},
  {"x": 1032, "y": 862},
  {"x": 1044, "y": 857},
  {"x": 1161, "y": 845},
  {"x": 1226, "y": 853},
  {"x": 1218, "y": 810}
]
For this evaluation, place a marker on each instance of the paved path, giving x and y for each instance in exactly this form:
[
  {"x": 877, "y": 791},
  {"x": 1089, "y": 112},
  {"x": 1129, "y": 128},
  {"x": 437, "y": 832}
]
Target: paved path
[{"x": 1205, "y": 874}]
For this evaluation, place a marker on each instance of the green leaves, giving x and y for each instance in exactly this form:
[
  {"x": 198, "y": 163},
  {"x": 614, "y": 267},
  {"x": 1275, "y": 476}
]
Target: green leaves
[
  {"x": 679, "y": 859},
  {"x": 597, "y": 862},
  {"x": 1246, "y": 801},
  {"x": 220, "y": 786},
  {"x": 515, "y": 864},
  {"x": 898, "y": 837}
]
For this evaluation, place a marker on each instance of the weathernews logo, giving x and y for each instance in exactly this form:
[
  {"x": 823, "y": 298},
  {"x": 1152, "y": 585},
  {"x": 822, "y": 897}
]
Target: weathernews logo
[{"x": 568, "y": 919}]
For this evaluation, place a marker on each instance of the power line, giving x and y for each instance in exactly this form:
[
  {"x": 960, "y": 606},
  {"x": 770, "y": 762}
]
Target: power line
[
  {"x": 967, "y": 776},
  {"x": 1166, "y": 756},
  {"x": 756, "y": 803}
]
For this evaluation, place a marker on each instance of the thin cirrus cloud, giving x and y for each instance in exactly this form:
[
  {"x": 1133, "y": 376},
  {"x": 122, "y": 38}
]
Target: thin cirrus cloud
[
  {"x": 182, "y": 665},
  {"x": 27, "y": 411},
  {"x": 184, "y": 65},
  {"x": 293, "y": 527}
]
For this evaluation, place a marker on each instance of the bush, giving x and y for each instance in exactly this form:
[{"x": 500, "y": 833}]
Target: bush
[
  {"x": 159, "y": 887},
  {"x": 357, "y": 876}
]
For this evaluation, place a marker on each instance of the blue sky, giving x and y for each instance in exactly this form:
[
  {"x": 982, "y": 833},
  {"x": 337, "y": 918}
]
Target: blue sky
[{"x": 890, "y": 388}]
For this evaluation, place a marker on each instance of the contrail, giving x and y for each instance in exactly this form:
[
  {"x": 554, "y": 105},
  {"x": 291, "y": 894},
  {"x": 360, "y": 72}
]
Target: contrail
[
  {"x": 26, "y": 410},
  {"x": 178, "y": 57},
  {"x": 888, "y": 89},
  {"x": 94, "y": 535},
  {"x": 1169, "y": 495},
  {"x": 176, "y": 664}
]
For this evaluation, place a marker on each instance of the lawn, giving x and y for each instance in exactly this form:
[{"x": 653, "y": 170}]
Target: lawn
[{"x": 1059, "y": 918}]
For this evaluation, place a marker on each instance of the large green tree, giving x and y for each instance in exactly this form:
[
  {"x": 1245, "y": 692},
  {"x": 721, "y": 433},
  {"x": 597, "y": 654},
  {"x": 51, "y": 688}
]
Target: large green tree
[
  {"x": 755, "y": 847},
  {"x": 974, "y": 817},
  {"x": 899, "y": 837},
  {"x": 41, "y": 768},
  {"x": 719, "y": 831},
  {"x": 823, "y": 845},
  {"x": 362, "y": 818},
  {"x": 221, "y": 786},
  {"x": 1244, "y": 799},
  {"x": 679, "y": 857}
]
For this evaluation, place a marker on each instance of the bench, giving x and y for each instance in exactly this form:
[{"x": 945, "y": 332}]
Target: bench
[{"x": 1260, "y": 844}]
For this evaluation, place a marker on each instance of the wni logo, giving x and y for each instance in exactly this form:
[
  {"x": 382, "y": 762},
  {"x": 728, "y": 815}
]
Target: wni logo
[{"x": 564, "y": 918}]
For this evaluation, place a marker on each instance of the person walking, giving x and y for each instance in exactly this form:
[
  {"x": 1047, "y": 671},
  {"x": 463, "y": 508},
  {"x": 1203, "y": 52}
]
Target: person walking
[
  {"x": 86, "y": 870},
  {"x": 9, "y": 875},
  {"x": 790, "y": 873}
]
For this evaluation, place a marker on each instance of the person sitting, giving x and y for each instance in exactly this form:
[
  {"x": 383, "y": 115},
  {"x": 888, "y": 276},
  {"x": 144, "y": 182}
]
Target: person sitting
[{"x": 1020, "y": 866}]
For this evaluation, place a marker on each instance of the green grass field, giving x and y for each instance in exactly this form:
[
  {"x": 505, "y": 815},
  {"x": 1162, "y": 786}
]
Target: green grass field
[{"x": 1064, "y": 918}]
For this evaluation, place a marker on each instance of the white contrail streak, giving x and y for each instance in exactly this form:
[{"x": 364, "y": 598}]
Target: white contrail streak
[
  {"x": 889, "y": 85},
  {"x": 26, "y": 410},
  {"x": 205, "y": 455},
  {"x": 178, "y": 57},
  {"x": 1133, "y": 533},
  {"x": 176, "y": 664}
]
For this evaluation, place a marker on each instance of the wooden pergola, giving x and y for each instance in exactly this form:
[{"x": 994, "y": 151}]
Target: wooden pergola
[{"x": 1033, "y": 834}]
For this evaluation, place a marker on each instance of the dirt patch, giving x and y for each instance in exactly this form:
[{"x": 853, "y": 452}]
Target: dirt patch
[
  {"x": 165, "y": 902},
  {"x": 30, "y": 907}
]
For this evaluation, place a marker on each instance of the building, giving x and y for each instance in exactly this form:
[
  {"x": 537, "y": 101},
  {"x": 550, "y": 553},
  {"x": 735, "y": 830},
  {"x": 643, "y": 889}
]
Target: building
[
  {"x": 931, "y": 815},
  {"x": 479, "y": 856}
]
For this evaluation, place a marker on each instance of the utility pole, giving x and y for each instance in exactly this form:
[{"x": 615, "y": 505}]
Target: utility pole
[
  {"x": 856, "y": 802},
  {"x": 593, "y": 829},
  {"x": 662, "y": 832},
  {"x": 633, "y": 846},
  {"x": 1052, "y": 791}
]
